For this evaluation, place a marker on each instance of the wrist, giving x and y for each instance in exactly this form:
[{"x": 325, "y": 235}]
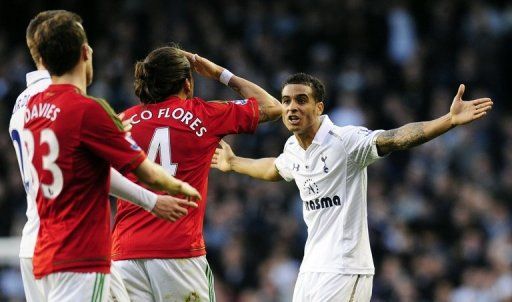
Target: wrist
[
  {"x": 232, "y": 163},
  {"x": 452, "y": 121},
  {"x": 225, "y": 76}
]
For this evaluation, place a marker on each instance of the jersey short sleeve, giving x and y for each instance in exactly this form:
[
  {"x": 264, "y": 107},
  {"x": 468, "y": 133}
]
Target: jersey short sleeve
[
  {"x": 360, "y": 143},
  {"x": 239, "y": 116},
  {"x": 101, "y": 132},
  {"x": 282, "y": 165}
]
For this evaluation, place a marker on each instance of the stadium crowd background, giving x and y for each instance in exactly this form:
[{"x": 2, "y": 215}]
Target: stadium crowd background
[{"x": 439, "y": 215}]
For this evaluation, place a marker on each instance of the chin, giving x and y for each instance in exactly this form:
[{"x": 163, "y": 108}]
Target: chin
[{"x": 293, "y": 128}]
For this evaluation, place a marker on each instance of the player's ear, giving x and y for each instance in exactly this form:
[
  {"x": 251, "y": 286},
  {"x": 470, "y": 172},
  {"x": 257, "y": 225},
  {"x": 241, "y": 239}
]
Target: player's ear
[
  {"x": 320, "y": 107},
  {"x": 187, "y": 86},
  {"x": 86, "y": 52}
]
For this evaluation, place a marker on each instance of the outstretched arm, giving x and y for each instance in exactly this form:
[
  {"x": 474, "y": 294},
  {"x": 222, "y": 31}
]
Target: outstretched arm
[
  {"x": 269, "y": 107},
  {"x": 414, "y": 134},
  {"x": 225, "y": 160}
]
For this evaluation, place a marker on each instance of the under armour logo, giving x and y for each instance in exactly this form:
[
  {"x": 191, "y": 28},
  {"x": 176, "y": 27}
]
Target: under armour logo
[
  {"x": 324, "y": 158},
  {"x": 296, "y": 167}
]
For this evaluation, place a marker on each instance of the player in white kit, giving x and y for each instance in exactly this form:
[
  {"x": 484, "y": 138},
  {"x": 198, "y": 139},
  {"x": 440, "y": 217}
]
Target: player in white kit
[
  {"x": 328, "y": 164},
  {"x": 120, "y": 186}
]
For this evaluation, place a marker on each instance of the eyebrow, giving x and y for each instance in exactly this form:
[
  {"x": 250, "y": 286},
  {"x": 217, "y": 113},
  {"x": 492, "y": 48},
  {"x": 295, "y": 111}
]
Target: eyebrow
[{"x": 297, "y": 95}]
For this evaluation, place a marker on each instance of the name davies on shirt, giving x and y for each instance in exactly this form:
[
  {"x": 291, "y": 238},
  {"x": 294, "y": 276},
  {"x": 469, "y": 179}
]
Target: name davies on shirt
[
  {"x": 179, "y": 114},
  {"x": 42, "y": 110}
]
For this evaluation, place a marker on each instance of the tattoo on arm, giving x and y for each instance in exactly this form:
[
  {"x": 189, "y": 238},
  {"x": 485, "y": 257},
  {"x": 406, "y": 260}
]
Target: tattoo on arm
[
  {"x": 402, "y": 138},
  {"x": 264, "y": 117}
]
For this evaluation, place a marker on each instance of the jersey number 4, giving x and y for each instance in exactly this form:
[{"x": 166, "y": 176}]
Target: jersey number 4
[
  {"x": 48, "y": 137},
  {"x": 161, "y": 144}
]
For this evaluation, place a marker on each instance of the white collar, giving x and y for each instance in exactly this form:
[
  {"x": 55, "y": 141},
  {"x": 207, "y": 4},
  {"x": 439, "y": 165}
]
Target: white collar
[
  {"x": 36, "y": 76},
  {"x": 325, "y": 126}
]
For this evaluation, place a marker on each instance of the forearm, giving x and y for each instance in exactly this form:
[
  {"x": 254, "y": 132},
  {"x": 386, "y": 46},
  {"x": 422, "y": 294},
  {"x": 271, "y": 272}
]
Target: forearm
[
  {"x": 123, "y": 188},
  {"x": 269, "y": 107},
  {"x": 262, "y": 168},
  {"x": 157, "y": 178},
  {"x": 413, "y": 134}
]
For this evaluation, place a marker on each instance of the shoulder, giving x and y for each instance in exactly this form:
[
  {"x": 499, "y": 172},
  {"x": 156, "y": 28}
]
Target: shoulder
[
  {"x": 290, "y": 145},
  {"x": 98, "y": 107},
  {"x": 350, "y": 130},
  {"x": 22, "y": 99}
]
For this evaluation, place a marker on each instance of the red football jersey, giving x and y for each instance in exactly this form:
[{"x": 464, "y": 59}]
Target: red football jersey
[
  {"x": 181, "y": 135},
  {"x": 72, "y": 140}
]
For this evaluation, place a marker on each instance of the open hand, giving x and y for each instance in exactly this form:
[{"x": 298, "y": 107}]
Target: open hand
[
  {"x": 463, "y": 112},
  {"x": 171, "y": 208},
  {"x": 222, "y": 157}
]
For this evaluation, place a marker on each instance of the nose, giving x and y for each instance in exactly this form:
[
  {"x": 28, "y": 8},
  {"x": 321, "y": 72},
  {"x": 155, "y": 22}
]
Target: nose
[{"x": 292, "y": 107}]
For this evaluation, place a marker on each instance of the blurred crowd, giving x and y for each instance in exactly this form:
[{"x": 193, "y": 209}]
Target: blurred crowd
[{"x": 439, "y": 215}]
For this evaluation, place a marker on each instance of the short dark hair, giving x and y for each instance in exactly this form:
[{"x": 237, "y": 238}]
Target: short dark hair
[
  {"x": 161, "y": 74},
  {"x": 308, "y": 80},
  {"x": 59, "y": 42},
  {"x": 34, "y": 24}
]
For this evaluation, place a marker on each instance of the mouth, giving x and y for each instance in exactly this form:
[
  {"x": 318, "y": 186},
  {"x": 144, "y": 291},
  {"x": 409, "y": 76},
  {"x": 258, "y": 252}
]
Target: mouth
[{"x": 293, "y": 119}]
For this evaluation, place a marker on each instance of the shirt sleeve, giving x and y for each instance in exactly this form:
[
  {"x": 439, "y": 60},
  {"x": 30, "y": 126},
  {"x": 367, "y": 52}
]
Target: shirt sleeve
[
  {"x": 360, "y": 143},
  {"x": 230, "y": 117},
  {"x": 102, "y": 133},
  {"x": 283, "y": 167}
]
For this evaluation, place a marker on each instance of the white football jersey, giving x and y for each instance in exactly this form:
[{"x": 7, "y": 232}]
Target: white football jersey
[
  {"x": 37, "y": 81},
  {"x": 331, "y": 177}
]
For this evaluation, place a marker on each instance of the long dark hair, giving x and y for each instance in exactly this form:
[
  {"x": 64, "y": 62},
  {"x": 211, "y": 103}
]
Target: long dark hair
[{"x": 161, "y": 74}]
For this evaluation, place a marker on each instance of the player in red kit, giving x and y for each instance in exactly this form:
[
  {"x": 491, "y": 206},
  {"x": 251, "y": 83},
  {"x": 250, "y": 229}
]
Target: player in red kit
[
  {"x": 158, "y": 260},
  {"x": 72, "y": 140}
]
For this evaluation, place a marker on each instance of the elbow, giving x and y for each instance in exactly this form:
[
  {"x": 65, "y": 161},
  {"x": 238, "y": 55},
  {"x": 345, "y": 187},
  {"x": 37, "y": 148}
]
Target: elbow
[{"x": 276, "y": 112}]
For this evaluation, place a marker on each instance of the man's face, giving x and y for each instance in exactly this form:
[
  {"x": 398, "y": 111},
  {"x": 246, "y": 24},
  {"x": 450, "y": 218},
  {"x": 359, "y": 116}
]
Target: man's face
[{"x": 300, "y": 110}]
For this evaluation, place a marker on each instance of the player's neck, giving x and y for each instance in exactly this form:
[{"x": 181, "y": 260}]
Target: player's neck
[
  {"x": 182, "y": 95},
  {"x": 75, "y": 77},
  {"x": 305, "y": 138}
]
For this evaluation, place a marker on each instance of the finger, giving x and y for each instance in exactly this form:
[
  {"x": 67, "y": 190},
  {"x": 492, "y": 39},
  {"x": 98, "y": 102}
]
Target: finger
[
  {"x": 480, "y": 115},
  {"x": 484, "y": 109},
  {"x": 223, "y": 144},
  {"x": 195, "y": 194},
  {"x": 460, "y": 92},
  {"x": 482, "y": 101},
  {"x": 180, "y": 211},
  {"x": 127, "y": 126},
  {"x": 121, "y": 115},
  {"x": 187, "y": 54},
  {"x": 187, "y": 203},
  {"x": 188, "y": 190}
]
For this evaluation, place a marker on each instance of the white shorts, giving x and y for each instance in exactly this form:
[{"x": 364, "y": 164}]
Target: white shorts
[
  {"x": 32, "y": 292},
  {"x": 74, "y": 287},
  {"x": 187, "y": 279},
  {"x": 332, "y": 287},
  {"x": 118, "y": 292}
]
